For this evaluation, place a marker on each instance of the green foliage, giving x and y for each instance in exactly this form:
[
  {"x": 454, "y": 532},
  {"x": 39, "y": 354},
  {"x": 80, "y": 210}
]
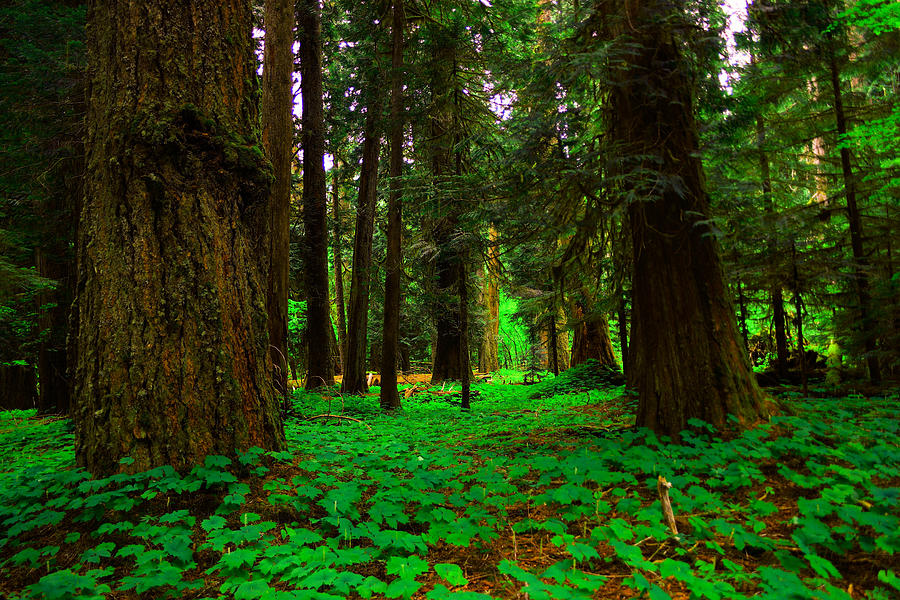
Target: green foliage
[
  {"x": 42, "y": 55},
  {"x": 378, "y": 511},
  {"x": 589, "y": 375}
]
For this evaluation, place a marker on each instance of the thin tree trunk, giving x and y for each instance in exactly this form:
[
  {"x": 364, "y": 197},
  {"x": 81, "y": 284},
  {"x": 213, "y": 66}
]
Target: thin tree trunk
[
  {"x": 318, "y": 307},
  {"x": 53, "y": 308},
  {"x": 622, "y": 316},
  {"x": 855, "y": 222},
  {"x": 742, "y": 307},
  {"x": 554, "y": 350},
  {"x": 354, "y": 378},
  {"x": 781, "y": 351},
  {"x": 679, "y": 297},
  {"x": 563, "y": 355},
  {"x": 798, "y": 306},
  {"x": 390, "y": 398},
  {"x": 338, "y": 261},
  {"x": 173, "y": 359},
  {"x": 488, "y": 360},
  {"x": 278, "y": 139},
  {"x": 465, "y": 368}
]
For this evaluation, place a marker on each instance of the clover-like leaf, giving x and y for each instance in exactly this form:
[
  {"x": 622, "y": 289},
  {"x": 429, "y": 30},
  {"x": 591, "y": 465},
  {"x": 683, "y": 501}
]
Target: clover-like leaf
[
  {"x": 408, "y": 567},
  {"x": 450, "y": 573}
]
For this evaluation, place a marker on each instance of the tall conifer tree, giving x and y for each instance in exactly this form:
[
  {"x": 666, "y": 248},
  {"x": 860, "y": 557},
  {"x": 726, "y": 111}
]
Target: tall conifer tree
[{"x": 173, "y": 359}]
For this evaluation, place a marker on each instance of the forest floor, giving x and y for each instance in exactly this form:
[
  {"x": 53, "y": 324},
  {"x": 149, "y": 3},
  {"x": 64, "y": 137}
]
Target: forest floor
[{"x": 538, "y": 492}]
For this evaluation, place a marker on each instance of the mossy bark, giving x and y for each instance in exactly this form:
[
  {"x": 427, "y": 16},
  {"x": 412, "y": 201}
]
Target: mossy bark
[
  {"x": 688, "y": 360},
  {"x": 488, "y": 360},
  {"x": 173, "y": 359}
]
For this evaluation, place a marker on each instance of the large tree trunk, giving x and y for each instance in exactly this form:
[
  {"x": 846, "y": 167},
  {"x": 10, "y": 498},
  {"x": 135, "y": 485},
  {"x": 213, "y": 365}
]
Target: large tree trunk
[
  {"x": 278, "y": 141},
  {"x": 173, "y": 359},
  {"x": 592, "y": 340},
  {"x": 449, "y": 269},
  {"x": 448, "y": 264},
  {"x": 688, "y": 358},
  {"x": 853, "y": 217},
  {"x": 354, "y": 377},
  {"x": 390, "y": 398},
  {"x": 318, "y": 307},
  {"x": 490, "y": 341}
]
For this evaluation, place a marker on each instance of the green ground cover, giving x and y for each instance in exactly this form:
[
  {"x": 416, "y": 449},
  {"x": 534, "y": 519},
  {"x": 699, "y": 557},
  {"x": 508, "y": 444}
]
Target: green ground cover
[{"x": 554, "y": 497}]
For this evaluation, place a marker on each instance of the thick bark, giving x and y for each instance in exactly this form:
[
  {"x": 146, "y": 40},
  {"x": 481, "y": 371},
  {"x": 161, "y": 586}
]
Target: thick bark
[
  {"x": 354, "y": 378},
  {"x": 679, "y": 297},
  {"x": 488, "y": 360},
  {"x": 337, "y": 249},
  {"x": 592, "y": 340},
  {"x": 173, "y": 359},
  {"x": 278, "y": 139},
  {"x": 390, "y": 398},
  {"x": 448, "y": 264},
  {"x": 853, "y": 218},
  {"x": 318, "y": 307},
  {"x": 448, "y": 267}
]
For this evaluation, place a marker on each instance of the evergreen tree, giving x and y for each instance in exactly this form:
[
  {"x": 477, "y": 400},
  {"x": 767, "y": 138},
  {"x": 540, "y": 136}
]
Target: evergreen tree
[{"x": 173, "y": 359}]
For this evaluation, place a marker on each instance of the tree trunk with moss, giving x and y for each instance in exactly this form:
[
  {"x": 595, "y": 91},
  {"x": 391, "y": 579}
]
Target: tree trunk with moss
[
  {"x": 318, "y": 307},
  {"x": 488, "y": 360},
  {"x": 592, "y": 339},
  {"x": 278, "y": 140},
  {"x": 173, "y": 359},
  {"x": 688, "y": 358}
]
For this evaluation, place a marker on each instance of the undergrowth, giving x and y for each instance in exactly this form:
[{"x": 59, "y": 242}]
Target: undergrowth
[{"x": 550, "y": 498}]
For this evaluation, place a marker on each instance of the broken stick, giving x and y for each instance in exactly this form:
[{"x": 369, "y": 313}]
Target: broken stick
[{"x": 663, "y": 487}]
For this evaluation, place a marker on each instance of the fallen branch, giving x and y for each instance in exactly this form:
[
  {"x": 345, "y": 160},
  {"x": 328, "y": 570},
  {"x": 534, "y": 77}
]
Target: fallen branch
[
  {"x": 662, "y": 487},
  {"x": 327, "y": 416}
]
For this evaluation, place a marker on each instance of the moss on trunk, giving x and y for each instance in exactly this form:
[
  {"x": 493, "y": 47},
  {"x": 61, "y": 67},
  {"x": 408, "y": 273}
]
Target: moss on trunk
[{"x": 173, "y": 359}]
